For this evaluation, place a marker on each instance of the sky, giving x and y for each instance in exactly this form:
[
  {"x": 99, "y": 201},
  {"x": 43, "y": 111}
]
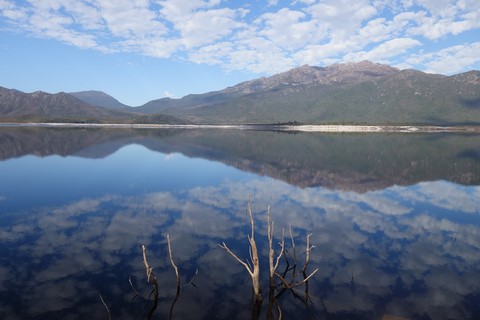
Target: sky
[{"x": 140, "y": 50}]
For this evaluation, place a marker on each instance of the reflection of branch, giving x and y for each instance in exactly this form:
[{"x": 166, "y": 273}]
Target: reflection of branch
[
  {"x": 135, "y": 290},
  {"x": 105, "y": 305},
  {"x": 191, "y": 280},
  {"x": 152, "y": 278},
  {"x": 178, "y": 277}
]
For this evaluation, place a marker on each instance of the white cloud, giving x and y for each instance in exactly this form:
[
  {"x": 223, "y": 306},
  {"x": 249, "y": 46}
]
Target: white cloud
[
  {"x": 212, "y": 54},
  {"x": 446, "y": 61},
  {"x": 206, "y": 27},
  {"x": 174, "y": 10},
  {"x": 445, "y": 18},
  {"x": 434, "y": 29},
  {"x": 130, "y": 19},
  {"x": 385, "y": 50},
  {"x": 168, "y": 94},
  {"x": 258, "y": 37},
  {"x": 288, "y": 29},
  {"x": 342, "y": 17}
]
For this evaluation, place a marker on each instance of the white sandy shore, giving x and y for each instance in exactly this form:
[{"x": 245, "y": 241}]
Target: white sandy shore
[{"x": 290, "y": 128}]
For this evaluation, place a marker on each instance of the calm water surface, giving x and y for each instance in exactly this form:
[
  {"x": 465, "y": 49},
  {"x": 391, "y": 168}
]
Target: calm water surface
[{"x": 395, "y": 220}]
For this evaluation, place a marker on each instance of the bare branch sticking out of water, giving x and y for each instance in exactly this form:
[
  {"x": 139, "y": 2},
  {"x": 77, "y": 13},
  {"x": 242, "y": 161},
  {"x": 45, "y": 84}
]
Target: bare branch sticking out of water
[
  {"x": 270, "y": 232},
  {"x": 151, "y": 278},
  {"x": 253, "y": 270},
  {"x": 293, "y": 249},
  {"x": 307, "y": 253},
  {"x": 177, "y": 274},
  {"x": 173, "y": 262},
  {"x": 304, "y": 269},
  {"x": 290, "y": 286}
]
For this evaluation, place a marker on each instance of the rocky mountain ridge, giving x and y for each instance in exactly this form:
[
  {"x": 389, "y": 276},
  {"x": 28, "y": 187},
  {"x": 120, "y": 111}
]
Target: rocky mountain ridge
[
  {"x": 16, "y": 104},
  {"x": 99, "y": 99},
  {"x": 39, "y": 106},
  {"x": 311, "y": 76},
  {"x": 349, "y": 93}
]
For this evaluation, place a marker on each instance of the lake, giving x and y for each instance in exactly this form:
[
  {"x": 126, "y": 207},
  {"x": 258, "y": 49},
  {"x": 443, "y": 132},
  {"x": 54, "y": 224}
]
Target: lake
[{"x": 394, "y": 218}]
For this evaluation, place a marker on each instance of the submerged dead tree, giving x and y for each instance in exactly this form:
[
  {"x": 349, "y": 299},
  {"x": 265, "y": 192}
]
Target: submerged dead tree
[
  {"x": 253, "y": 268},
  {"x": 152, "y": 278},
  {"x": 293, "y": 283}
]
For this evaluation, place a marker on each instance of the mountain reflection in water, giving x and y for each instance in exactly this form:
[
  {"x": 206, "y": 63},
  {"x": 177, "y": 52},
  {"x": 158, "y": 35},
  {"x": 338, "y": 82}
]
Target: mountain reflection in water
[
  {"x": 357, "y": 162},
  {"x": 402, "y": 238}
]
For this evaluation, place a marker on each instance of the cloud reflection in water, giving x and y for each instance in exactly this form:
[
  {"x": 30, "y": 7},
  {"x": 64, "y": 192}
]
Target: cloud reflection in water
[{"x": 411, "y": 251}]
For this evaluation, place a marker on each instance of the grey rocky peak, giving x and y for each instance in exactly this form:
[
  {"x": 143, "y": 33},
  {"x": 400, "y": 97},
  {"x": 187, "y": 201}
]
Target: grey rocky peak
[{"x": 311, "y": 76}]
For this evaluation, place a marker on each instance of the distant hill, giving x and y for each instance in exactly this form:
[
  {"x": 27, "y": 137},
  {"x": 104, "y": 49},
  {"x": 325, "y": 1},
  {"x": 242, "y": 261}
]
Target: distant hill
[
  {"x": 363, "y": 92},
  {"x": 100, "y": 99},
  {"x": 350, "y": 93},
  {"x": 17, "y": 106},
  {"x": 285, "y": 83}
]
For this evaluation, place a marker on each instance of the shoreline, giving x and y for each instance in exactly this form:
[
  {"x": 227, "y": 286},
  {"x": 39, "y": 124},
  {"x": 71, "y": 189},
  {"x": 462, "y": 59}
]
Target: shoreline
[{"x": 286, "y": 128}]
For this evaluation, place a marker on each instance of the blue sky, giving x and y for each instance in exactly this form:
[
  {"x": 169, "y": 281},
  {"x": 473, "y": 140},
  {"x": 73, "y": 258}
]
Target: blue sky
[{"x": 139, "y": 50}]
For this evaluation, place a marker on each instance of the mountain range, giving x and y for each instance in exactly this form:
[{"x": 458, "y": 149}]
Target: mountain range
[{"x": 350, "y": 93}]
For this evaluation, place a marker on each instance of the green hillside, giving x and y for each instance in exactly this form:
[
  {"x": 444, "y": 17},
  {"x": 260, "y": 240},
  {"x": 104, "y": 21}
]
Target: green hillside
[{"x": 407, "y": 97}]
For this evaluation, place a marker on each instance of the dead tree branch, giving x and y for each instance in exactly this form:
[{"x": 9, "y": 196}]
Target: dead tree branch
[
  {"x": 304, "y": 269},
  {"x": 177, "y": 293},
  {"x": 290, "y": 286},
  {"x": 254, "y": 269},
  {"x": 224, "y": 246},
  {"x": 152, "y": 278},
  {"x": 173, "y": 262},
  {"x": 270, "y": 232},
  {"x": 307, "y": 253}
]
